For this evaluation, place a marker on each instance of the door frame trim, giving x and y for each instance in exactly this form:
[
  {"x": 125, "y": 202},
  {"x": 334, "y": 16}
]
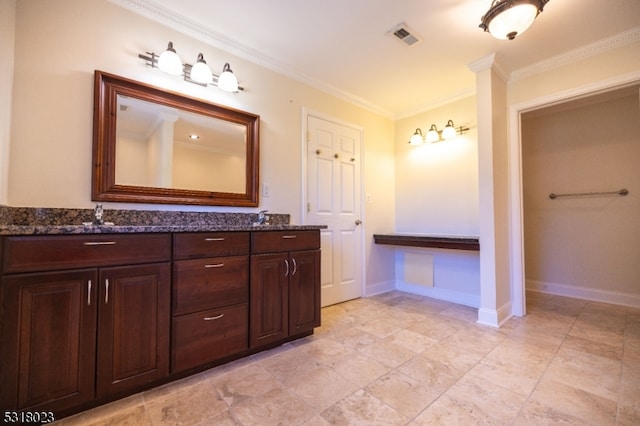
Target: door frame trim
[{"x": 306, "y": 113}]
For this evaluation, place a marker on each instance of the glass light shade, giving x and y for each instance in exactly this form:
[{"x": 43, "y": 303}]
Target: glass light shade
[
  {"x": 200, "y": 71},
  {"x": 227, "y": 80},
  {"x": 513, "y": 21},
  {"x": 417, "y": 138},
  {"x": 449, "y": 131},
  {"x": 170, "y": 62},
  {"x": 432, "y": 134}
]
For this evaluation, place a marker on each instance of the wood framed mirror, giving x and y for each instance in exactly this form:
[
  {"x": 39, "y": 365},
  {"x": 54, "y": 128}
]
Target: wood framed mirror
[{"x": 155, "y": 146}]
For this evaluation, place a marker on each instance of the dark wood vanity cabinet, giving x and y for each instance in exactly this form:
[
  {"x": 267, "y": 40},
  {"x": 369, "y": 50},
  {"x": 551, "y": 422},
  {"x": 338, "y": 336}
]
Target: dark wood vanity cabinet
[
  {"x": 79, "y": 320},
  {"x": 210, "y": 317},
  {"x": 285, "y": 285},
  {"x": 85, "y": 319}
]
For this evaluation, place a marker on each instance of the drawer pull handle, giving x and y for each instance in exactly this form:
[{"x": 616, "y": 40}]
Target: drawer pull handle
[
  {"x": 214, "y": 265},
  {"x": 215, "y": 239},
  {"x": 100, "y": 243},
  {"x": 89, "y": 293},
  {"x": 213, "y": 318},
  {"x": 288, "y": 237}
]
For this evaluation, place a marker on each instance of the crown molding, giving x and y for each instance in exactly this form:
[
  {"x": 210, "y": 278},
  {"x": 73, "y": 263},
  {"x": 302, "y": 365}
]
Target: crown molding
[
  {"x": 461, "y": 94},
  {"x": 579, "y": 54},
  {"x": 178, "y": 23}
]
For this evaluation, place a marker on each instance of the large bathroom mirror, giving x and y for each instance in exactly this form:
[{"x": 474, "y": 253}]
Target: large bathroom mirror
[{"x": 155, "y": 146}]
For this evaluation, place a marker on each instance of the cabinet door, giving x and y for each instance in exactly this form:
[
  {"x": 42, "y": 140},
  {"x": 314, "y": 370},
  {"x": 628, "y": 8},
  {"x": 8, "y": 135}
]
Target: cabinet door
[
  {"x": 133, "y": 326},
  {"x": 304, "y": 291},
  {"x": 49, "y": 340},
  {"x": 269, "y": 296}
]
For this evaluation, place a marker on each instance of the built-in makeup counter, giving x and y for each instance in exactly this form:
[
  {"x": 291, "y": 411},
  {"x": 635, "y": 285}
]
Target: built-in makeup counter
[{"x": 453, "y": 242}]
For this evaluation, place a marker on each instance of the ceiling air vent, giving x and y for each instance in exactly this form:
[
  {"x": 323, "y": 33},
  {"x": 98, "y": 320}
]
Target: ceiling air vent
[{"x": 405, "y": 34}]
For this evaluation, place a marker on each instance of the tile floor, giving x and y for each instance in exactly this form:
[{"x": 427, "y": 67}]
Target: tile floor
[{"x": 401, "y": 359}]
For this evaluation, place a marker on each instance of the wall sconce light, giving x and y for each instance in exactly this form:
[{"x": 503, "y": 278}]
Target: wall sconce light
[
  {"x": 417, "y": 138},
  {"x": 507, "y": 19},
  {"x": 434, "y": 135},
  {"x": 199, "y": 73}
]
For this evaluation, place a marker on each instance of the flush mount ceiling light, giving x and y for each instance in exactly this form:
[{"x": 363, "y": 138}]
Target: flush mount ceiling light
[
  {"x": 199, "y": 73},
  {"x": 434, "y": 135},
  {"x": 507, "y": 19}
]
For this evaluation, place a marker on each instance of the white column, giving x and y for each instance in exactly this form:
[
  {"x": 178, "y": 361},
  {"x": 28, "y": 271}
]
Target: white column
[{"x": 493, "y": 168}]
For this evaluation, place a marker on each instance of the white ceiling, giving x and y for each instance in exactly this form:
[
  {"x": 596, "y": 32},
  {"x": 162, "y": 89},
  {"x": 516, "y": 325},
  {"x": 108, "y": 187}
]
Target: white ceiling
[{"x": 343, "y": 47}]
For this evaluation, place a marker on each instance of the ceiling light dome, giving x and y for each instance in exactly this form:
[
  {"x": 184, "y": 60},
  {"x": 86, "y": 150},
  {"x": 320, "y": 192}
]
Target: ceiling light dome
[{"x": 507, "y": 19}]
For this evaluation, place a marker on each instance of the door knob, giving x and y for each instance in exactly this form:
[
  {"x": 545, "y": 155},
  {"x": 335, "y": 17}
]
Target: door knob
[{"x": 358, "y": 222}]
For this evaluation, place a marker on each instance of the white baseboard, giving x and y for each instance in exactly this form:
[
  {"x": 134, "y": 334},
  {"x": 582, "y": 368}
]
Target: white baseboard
[
  {"x": 379, "y": 288},
  {"x": 495, "y": 317},
  {"x": 596, "y": 295},
  {"x": 439, "y": 293}
]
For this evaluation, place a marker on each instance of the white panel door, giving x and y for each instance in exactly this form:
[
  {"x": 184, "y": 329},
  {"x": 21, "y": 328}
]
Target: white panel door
[{"x": 334, "y": 199}]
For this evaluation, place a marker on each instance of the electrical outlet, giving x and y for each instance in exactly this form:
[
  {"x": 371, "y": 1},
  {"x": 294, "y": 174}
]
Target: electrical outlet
[{"x": 265, "y": 189}]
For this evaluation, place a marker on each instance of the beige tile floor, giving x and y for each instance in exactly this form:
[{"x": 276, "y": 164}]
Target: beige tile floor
[{"x": 401, "y": 359}]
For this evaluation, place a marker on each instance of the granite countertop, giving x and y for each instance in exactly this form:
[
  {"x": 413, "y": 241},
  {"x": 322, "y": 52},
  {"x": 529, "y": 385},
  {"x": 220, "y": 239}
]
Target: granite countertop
[
  {"x": 53, "y": 221},
  {"x": 115, "y": 229}
]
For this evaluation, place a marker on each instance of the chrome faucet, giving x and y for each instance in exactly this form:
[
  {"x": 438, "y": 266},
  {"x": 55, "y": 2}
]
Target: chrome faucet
[
  {"x": 262, "y": 217},
  {"x": 97, "y": 215}
]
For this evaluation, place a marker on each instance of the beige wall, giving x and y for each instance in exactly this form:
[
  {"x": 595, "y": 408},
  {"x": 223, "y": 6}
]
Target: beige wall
[
  {"x": 437, "y": 193},
  {"x": 59, "y": 44},
  {"x": 583, "y": 246},
  {"x": 7, "y": 27},
  {"x": 437, "y": 184},
  {"x": 595, "y": 72}
]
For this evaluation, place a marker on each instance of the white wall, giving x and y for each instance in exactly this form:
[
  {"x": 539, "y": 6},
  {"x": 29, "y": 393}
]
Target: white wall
[
  {"x": 583, "y": 246},
  {"x": 59, "y": 44}
]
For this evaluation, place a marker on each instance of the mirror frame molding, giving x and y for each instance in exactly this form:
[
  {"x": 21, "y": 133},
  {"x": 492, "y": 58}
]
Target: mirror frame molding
[{"x": 103, "y": 185}]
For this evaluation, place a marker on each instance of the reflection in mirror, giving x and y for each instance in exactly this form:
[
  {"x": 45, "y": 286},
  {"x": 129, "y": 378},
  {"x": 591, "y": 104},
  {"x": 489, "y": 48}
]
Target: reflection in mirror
[
  {"x": 156, "y": 146},
  {"x": 183, "y": 150}
]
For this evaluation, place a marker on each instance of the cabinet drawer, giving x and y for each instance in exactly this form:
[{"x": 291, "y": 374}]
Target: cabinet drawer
[
  {"x": 200, "y": 284},
  {"x": 46, "y": 253},
  {"x": 207, "y": 336},
  {"x": 279, "y": 241},
  {"x": 210, "y": 244}
]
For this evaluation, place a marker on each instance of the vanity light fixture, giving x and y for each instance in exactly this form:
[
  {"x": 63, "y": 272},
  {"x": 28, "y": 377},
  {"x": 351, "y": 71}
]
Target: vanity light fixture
[
  {"x": 199, "y": 73},
  {"x": 227, "y": 80},
  {"x": 434, "y": 135},
  {"x": 169, "y": 61},
  {"x": 507, "y": 19},
  {"x": 417, "y": 138}
]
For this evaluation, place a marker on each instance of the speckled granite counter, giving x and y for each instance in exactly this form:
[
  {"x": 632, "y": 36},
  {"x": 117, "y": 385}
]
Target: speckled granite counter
[{"x": 55, "y": 221}]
